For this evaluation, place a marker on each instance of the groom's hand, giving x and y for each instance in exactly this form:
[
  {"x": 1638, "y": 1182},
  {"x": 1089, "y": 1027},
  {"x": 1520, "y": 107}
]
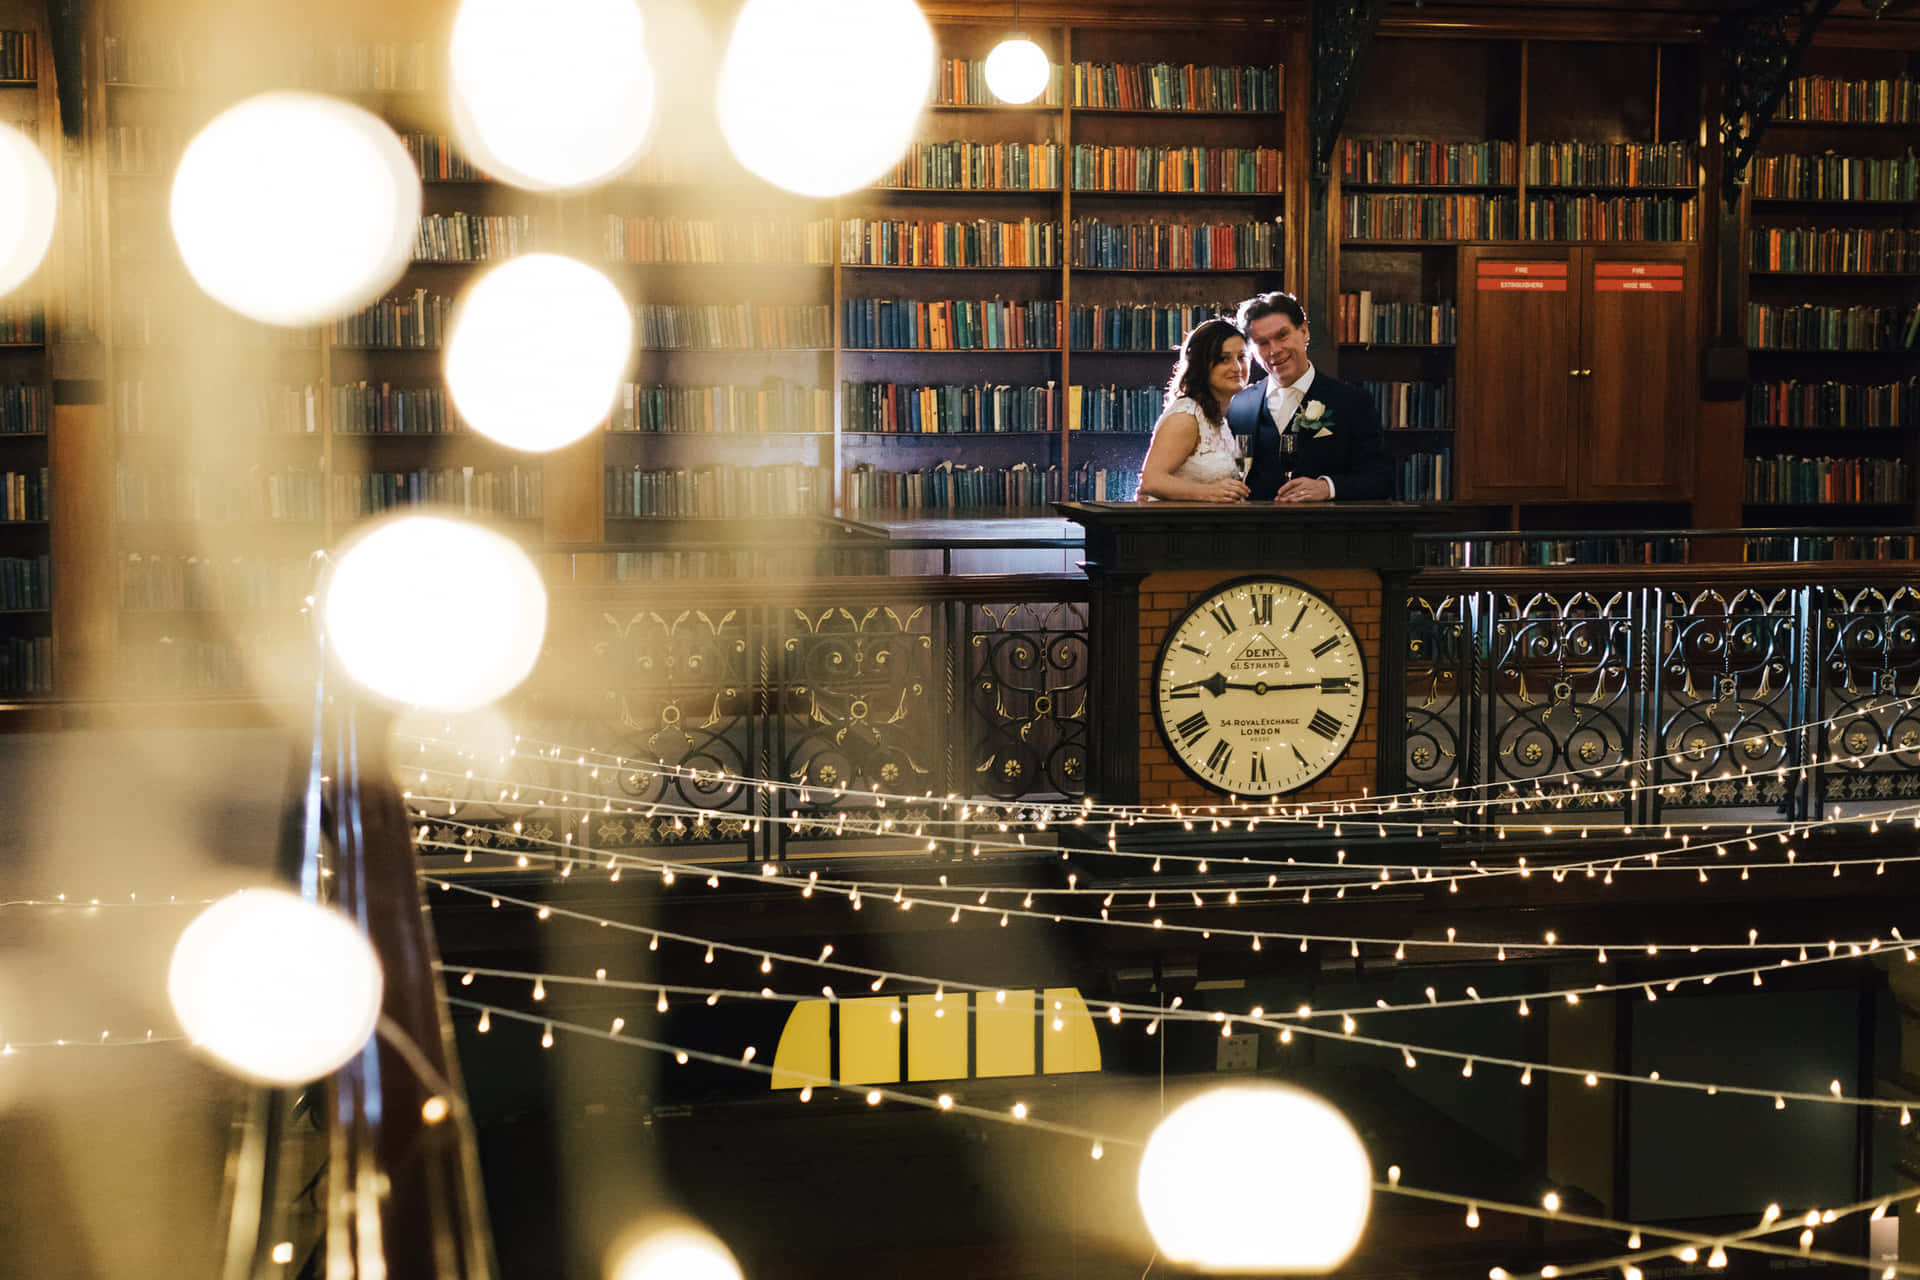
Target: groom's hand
[{"x": 1304, "y": 489}]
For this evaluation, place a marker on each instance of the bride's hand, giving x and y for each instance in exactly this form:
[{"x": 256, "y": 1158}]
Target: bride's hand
[{"x": 1227, "y": 489}]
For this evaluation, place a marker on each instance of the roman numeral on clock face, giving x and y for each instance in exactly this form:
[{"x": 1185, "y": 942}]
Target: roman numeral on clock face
[
  {"x": 1218, "y": 757},
  {"x": 1263, "y": 610},
  {"x": 1257, "y": 768},
  {"x": 1193, "y": 728},
  {"x": 1336, "y": 684},
  {"x": 1325, "y": 725},
  {"x": 1223, "y": 616},
  {"x": 1326, "y": 646}
]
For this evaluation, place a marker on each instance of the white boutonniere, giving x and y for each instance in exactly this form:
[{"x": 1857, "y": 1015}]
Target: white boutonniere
[{"x": 1315, "y": 414}]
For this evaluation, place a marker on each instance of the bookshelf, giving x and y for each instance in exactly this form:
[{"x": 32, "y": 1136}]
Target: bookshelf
[
  {"x": 1545, "y": 166},
  {"x": 1831, "y": 251},
  {"x": 26, "y": 404}
]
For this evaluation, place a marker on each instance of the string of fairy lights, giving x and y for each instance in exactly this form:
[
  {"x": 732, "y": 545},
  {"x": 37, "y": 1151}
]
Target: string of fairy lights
[
  {"x": 1481, "y": 793},
  {"x": 1119, "y": 1011},
  {"x": 1685, "y": 1245},
  {"x": 857, "y": 892}
]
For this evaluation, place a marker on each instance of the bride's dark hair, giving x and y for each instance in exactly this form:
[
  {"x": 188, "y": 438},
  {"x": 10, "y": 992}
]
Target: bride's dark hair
[{"x": 1193, "y": 370}]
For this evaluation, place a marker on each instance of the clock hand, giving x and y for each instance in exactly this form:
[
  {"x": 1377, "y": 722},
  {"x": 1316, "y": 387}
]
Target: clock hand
[
  {"x": 1272, "y": 688},
  {"x": 1215, "y": 684}
]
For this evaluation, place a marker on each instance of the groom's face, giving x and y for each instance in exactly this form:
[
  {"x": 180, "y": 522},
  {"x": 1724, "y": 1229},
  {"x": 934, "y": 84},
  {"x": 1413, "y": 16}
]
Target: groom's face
[{"x": 1282, "y": 347}]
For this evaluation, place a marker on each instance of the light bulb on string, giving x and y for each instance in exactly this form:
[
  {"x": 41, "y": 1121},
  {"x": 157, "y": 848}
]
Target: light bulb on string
[{"x": 29, "y": 200}]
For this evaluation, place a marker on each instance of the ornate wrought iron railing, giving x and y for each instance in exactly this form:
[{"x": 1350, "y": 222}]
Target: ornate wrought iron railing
[
  {"x": 1667, "y": 691},
  {"x": 1619, "y": 694},
  {"x": 931, "y": 687}
]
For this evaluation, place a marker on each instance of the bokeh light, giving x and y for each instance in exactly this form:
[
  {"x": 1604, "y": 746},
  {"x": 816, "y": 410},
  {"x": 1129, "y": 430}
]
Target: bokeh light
[
  {"x": 294, "y": 208},
  {"x": 537, "y": 351},
  {"x": 1017, "y": 70},
  {"x": 822, "y": 96},
  {"x": 1255, "y": 1178},
  {"x": 278, "y": 989},
  {"x": 550, "y": 95},
  {"x": 677, "y": 1252},
  {"x": 28, "y": 201},
  {"x": 435, "y": 612}
]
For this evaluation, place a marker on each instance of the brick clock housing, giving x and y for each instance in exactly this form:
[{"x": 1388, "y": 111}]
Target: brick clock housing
[{"x": 1149, "y": 562}]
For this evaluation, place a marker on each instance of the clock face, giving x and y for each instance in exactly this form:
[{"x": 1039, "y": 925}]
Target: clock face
[{"x": 1259, "y": 687}]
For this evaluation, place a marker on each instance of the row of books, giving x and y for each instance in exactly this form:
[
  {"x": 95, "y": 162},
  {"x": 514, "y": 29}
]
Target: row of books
[
  {"x": 661, "y": 566},
  {"x": 474, "y": 237},
  {"x": 181, "y": 63},
  {"x": 949, "y": 486},
  {"x": 1668, "y": 218},
  {"x": 1229, "y": 170},
  {"x": 437, "y": 160},
  {"x": 769, "y": 240},
  {"x": 1089, "y": 483},
  {"x": 383, "y": 409},
  {"x": 1864, "y": 546},
  {"x": 1411, "y": 406},
  {"x": 950, "y": 325},
  {"x": 26, "y": 665},
  {"x": 20, "y": 323},
  {"x": 516, "y": 492},
  {"x": 183, "y": 665},
  {"x": 959, "y": 165},
  {"x": 1427, "y": 162},
  {"x": 415, "y": 322},
  {"x": 239, "y": 407},
  {"x": 940, "y": 243},
  {"x": 25, "y": 410},
  {"x": 717, "y": 492},
  {"x": 1833, "y": 100},
  {"x": 1361, "y": 319},
  {"x": 1114, "y": 408},
  {"x": 196, "y": 320},
  {"x": 1516, "y": 552},
  {"x": 899, "y": 408},
  {"x": 688, "y": 326},
  {"x": 1786, "y": 478},
  {"x": 142, "y": 149},
  {"x": 774, "y": 405},
  {"x": 154, "y": 582},
  {"x": 1832, "y": 177},
  {"x": 1834, "y": 404},
  {"x": 24, "y": 495},
  {"x": 1175, "y": 246},
  {"x": 1807, "y": 327},
  {"x": 296, "y": 494},
  {"x": 26, "y": 582},
  {"x": 962, "y": 82},
  {"x": 1423, "y": 477},
  {"x": 1138, "y": 327},
  {"x": 19, "y": 55},
  {"x": 1132, "y": 86},
  {"x": 151, "y": 493},
  {"x": 1612, "y": 164},
  {"x": 1408, "y": 217},
  {"x": 1871, "y": 250}
]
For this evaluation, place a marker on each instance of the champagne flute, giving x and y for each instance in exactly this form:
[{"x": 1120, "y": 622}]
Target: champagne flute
[{"x": 1243, "y": 454}]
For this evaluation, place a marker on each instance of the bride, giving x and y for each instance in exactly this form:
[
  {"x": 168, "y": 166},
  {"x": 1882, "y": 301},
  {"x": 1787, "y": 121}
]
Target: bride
[{"x": 1193, "y": 457}]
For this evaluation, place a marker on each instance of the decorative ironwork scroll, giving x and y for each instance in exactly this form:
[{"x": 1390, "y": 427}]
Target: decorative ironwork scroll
[
  {"x": 1728, "y": 684},
  {"x": 1868, "y": 660},
  {"x": 1757, "y": 59}
]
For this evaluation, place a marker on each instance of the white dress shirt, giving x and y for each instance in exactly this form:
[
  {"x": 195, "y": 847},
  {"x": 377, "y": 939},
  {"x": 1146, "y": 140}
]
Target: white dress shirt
[{"x": 1284, "y": 402}]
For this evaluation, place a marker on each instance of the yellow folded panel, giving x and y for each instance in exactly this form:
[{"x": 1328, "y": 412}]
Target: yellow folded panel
[
  {"x": 1003, "y": 1034},
  {"x": 1067, "y": 1039},
  {"x": 936, "y": 1038},
  {"x": 803, "y": 1056},
  {"x": 869, "y": 1040}
]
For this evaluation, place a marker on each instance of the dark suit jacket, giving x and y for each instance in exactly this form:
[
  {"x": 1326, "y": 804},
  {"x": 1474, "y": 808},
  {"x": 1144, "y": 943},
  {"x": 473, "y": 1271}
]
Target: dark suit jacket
[{"x": 1353, "y": 455}]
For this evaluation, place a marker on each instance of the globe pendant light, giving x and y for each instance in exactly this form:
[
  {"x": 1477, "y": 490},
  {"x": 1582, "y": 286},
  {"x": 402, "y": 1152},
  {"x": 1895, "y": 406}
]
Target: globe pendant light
[{"x": 1017, "y": 69}]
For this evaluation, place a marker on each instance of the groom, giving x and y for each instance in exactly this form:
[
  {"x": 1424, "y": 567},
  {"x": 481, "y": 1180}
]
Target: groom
[{"x": 1326, "y": 434}]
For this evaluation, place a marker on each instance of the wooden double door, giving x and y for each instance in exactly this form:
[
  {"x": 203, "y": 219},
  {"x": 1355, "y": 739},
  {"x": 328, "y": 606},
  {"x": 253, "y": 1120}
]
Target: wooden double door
[{"x": 1576, "y": 372}]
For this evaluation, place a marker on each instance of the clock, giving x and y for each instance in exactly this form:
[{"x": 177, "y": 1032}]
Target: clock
[{"x": 1259, "y": 687}]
